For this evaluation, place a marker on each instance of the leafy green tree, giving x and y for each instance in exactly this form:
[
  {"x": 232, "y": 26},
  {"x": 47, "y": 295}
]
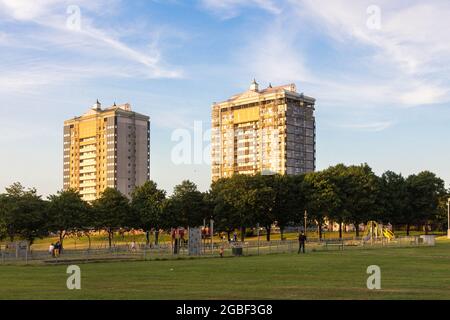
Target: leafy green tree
[
  {"x": 67, "y": 213},
  {"x": 392, "y": 198},
  {"x": 321, "y": 198},
  {"x": 424, "y": 192},
  {"x": 225, "y": 214},
  {"x": 186, "y": 206},
  {"x": 361, "y": 188},
  {"x": 208, "y": 209},
  {"x": 169, "y": 215},
  {"x": 147, "y": 202},
  {"x": 22, "y": 213},
  {"x": 3, "y": 216},
  {"x": 239, "y": 197},
  {"x": 290, "y": 200},
  {"x": 336, "y": 176},
  {"x": 89, "y": 224},
  {"x": 112, "y": 212},
  {"x": 441, "y": 218},
  {"x": 262, "y": 197},
  {"x": 234, "y": 203}
]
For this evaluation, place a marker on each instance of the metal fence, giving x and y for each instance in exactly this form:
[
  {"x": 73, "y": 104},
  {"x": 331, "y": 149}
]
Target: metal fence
[{"x": 164, "y": 251}]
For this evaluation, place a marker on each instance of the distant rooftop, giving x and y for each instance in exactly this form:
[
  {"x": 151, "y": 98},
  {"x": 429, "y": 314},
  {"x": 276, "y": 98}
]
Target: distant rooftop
[
  {"x": 97, "y": 107},
  {"x": 254, "y": 91}
]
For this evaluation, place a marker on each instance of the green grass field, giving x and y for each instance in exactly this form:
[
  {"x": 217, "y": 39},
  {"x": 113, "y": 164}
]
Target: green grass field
[{"x": 407, "y": 273}]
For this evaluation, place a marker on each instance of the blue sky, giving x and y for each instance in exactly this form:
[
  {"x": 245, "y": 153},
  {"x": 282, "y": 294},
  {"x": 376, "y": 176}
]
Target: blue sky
[{"x": 380, "y": 75}]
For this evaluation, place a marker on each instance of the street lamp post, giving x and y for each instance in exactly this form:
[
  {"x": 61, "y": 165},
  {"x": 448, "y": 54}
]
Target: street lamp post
[
  {"x": 211, "y": 222},
  {"x": 204, "y": 235},
  {"x": 306, "y": 215},
  {"x": 448, "y": 218},
  {"x": 257, "y": 227}
]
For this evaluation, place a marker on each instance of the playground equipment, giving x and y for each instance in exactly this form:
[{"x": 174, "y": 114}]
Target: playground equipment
[{"x": 376, "y": 231}]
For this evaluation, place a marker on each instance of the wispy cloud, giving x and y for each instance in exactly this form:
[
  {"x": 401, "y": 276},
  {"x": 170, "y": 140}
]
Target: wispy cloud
[
  {"x": 412, "y": 42},
  {"x": 26, "y": 10},
  {"x": 424, "y": 94},
  {"x": 274, "y": 58},
  {"x": 227, "y": 9},
  {"x": 78, "y": 47},
  {"x": 370, "y": 127},
  {"x": 402, "y": 64}
]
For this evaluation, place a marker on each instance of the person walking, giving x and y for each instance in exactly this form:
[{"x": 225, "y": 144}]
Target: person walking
[{"x": 301, "y": 242}]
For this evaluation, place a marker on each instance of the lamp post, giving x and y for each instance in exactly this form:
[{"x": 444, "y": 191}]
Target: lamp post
[
  {"x": 257, "y": 228},
  {"x": 306, "y": 215},
  {"x": 448, "y": 218},
  {"x": 204, "y": 235},
  {"x": 211, "y": 223}
]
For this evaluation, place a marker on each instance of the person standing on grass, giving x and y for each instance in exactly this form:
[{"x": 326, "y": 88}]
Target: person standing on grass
[
  {"x": 57, "y": 248},
  {"x": 51, "y": 249},
  {"x": 301, "y": 242}
]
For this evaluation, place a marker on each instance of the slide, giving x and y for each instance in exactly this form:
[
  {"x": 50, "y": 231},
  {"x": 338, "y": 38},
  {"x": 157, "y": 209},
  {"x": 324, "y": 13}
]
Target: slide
[{"x": 388, "y": 234}]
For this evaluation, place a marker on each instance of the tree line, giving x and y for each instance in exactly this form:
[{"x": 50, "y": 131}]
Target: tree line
[{"x": 342, "y": 194}]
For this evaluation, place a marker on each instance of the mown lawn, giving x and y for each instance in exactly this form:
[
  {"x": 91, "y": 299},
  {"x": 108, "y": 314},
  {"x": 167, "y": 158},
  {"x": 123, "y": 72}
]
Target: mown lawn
[{"x": 407, "y": 273}]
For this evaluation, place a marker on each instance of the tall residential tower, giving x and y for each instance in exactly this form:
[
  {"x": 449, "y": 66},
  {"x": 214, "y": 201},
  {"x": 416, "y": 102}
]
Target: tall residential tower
[
  {"x": 269, "y": 131},
  {"x": 106, "y": 148}
]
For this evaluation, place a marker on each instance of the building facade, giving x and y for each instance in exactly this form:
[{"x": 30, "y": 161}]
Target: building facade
[
  {"x": 267, "y": 131},
  {"x": 106, "y": 148}
]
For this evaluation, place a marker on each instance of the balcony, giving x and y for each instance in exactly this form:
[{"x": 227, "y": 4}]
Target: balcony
[
  {"x": 88, "y": 155},
  {"x": 88, "y": 148},
  {"x": 88, "y": 177},
  {"x": 87, "y": 162},
  {"x": 88, "y": 184},
  {"x": 88, "y": 142},
  {"x": 88, "y": 170},
  {"x": 89, "y": 197},
  {"x": 88, "y": 191}
]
